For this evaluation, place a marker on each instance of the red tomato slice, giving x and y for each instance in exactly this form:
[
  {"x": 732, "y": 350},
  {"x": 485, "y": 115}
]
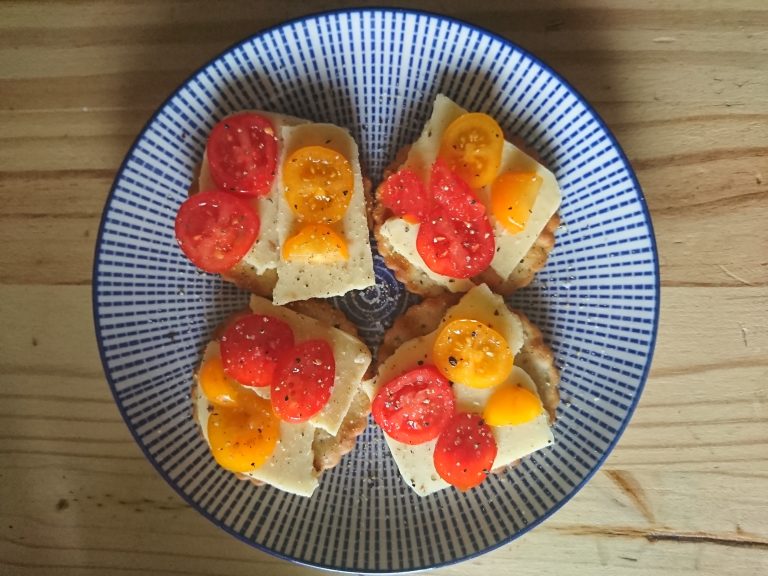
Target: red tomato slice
[
  {"x": 250, "y": 348},
  {"x": 452, "y": 196},
  {"x": 465, "y": 451},
  {"x": 242, "y": 154},
  {"x": 457, "y": 239},
  {"x": 215, "y": 229},
  {"x": 456, "y": 248},
  {"x": 414, "y": 407},
  {"x": 405, "y": 194},
  {"x": 303, "y": 381}
]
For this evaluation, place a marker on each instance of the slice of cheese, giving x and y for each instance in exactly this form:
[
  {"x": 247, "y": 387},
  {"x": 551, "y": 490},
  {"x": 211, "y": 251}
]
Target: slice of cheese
[
  {"x": 264, "y": 253},
  {"x": 352, "y": 359},
  {"x": 300, "y": 281},
  {"x": 513, "y": 442},
  {"x": 510, "y": 248}
]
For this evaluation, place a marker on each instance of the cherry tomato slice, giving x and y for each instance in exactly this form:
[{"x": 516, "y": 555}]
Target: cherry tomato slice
[
  {"x": 414, "y": 407},
  {"x": 215, "y": 229},
  {"x": 457, "y": 239},
  {"x": 465, "y": 451},
  {"x": 456, "y": 248},
  {"x": 319, "y": 184},
  {"x": 303, "y": 381},
  {"x": 315, "y": 244},
  {"x": 250, "y": 348},
  {"x": 242, "y": 154},
  {"x": 473, "y": 144},
  {"x": 513, "y": 195},
  {"x": 451, "y": 196},
  {"x": 243, "y": 438},
  {"x": 473, "y": 354},
  {"x": 405, "y": 194}
]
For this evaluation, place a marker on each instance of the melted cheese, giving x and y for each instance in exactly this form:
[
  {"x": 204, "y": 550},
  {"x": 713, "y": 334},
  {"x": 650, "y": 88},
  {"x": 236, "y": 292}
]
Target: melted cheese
[
  {"x": 300, "y": 281},
  {"x": 264, "y": 253},
  {"x": 513, "y": 442},
  {"x": 510, "y": 248}
]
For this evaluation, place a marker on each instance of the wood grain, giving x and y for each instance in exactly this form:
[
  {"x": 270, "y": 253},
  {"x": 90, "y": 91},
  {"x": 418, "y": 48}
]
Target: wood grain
[{"x": 684, "y": 86}]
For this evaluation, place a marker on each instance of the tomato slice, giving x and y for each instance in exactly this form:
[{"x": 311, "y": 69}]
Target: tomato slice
[
  {"x": 250, "y": 348},
  {"x": 242, "y": 154},
  {"x": 473, "y": 145},
  {"x": 465, "y": 451},
  {"x": 452, "y": 196},
  {"x": 315, "y": 244},
  {"x": 457, "y": 239},
  {"x": 414, "y": 407},
  {"x": 243, "y": 438},
  {"x": 513, "y": 195},
  {"x": 473, "y": 354},
  {"x": 319, "y": 184},
  {"x": 215, "y": 229},
  {"x": 405, "y": 194},
  {"x": 456, "y": 248},
  {"x": 303, "y": 381}
]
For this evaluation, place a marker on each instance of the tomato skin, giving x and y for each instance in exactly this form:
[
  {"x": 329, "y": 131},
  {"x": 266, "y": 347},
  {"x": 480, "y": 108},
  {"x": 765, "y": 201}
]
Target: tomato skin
[
  {"x": 242, "y": 154},
  {"x": 406, "y": 196},
  {"x": 251, "y": 347},
  {"x": 465, "y": 451},
  {"x": 215, "y": 229},
  {"x": 414, "y": 407},
  {"x": 303, "y": 381}
]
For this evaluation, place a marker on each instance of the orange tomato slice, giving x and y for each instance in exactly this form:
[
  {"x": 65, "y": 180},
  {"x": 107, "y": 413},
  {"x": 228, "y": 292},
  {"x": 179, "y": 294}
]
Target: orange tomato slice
[
  {"x": 318, "y": 184},
  {"x": 216, "y": 385},
  {"x": 243, "y": 439},
  {"x": 472, "y": 145},
  {"x": 512, "y": 198},
  {"x": 511, "y": 405},
  {"x": 472, "y": 353},
  {"x": 316, "y": 244}
]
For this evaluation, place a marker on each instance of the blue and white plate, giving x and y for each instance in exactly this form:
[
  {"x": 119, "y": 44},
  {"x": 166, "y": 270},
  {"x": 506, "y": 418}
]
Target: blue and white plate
[{"x": 377, "y": 72}]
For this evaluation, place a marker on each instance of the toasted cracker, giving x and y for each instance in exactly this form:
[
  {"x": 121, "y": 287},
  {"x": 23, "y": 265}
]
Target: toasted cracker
[
  {"x": 419, "y": 282},
  {"x": 328, "y": 449}
]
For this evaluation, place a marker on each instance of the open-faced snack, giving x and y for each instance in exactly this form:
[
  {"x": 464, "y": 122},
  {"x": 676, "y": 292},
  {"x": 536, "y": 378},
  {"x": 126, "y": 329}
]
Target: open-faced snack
[
  {"x": 279, "y": 207},
  {"x": 278, "y": 394},
  {"x": 462, "y": 206},
  {"x": 463, "y": 387}
]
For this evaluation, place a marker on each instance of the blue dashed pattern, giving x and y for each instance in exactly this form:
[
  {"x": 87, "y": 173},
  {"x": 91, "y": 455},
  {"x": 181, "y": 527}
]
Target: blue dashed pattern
[{"x": 377, "y": 72}]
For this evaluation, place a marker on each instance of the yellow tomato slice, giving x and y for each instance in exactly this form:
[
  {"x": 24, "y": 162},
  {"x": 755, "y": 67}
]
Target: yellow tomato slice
[
  {"x": 243, "y": 438},
  {"x": 472, "y": 353},
  {"x": 512, "y": 198},
  {"x": 511, "y": 405},
  {"x": 217, "y": 386},
  {"x": 318, "y": 184},
  {"x": 316, "y": 244},
  {"x": 472, "y": 145}
]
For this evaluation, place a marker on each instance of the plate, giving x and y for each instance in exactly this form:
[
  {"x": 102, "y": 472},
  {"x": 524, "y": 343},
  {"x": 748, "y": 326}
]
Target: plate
[{"x": 376, "y": 71}]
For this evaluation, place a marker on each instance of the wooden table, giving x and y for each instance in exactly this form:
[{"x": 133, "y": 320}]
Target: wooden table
[{"x": 684, "y": 85}]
